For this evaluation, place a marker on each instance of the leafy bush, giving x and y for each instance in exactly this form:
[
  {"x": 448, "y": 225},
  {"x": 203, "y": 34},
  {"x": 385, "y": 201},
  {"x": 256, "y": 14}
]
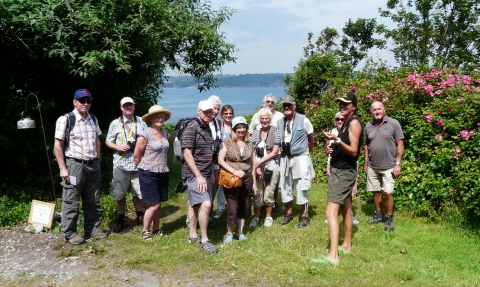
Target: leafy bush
[{"x": 438, "y": 111}]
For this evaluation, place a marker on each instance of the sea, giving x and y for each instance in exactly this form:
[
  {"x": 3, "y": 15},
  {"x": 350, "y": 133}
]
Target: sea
[{"x": 184, "y": 102}]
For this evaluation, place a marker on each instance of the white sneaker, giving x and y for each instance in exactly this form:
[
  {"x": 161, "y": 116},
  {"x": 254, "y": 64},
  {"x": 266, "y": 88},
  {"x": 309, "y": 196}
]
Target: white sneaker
[
  {"x": 254, "y": 222},
  {"x": 268, "y": 222},
  {"x": 219, "y": 213},
  {"x": 355, "y": 221}
]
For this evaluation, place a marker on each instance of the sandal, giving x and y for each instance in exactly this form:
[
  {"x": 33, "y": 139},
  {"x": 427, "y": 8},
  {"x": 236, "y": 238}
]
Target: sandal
[
  {"x": 146, "y": 235},
  {"x": 197, "y": 239},
  {"x": 158, "y": 232},
  {"x": 208, "y": 247}
]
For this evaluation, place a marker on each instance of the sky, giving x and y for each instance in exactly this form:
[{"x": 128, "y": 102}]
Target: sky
[{"x": 271, "y": 34}]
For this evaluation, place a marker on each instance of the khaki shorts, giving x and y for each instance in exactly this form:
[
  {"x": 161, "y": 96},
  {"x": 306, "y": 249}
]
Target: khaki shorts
[
  {"x": 340, "y": 184},
  {"x": 380, "y": 179},
  {"x": 124, "y": 181}
]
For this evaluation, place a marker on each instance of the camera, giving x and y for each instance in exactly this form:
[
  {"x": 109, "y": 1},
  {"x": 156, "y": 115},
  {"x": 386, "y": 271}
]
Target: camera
[
  {"x": 285, "y": 149},
  {"x": 259, "y": 151},
  {"x": 216, "y": 149},
  {"x": 131, "y": 145}
]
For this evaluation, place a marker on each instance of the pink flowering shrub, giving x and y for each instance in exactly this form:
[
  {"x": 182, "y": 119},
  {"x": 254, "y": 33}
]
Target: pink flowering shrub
[{"x": 439, "y": 111}]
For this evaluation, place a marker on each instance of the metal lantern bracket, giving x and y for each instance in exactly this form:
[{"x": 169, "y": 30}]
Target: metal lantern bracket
[{"x": 28, "y": 123}]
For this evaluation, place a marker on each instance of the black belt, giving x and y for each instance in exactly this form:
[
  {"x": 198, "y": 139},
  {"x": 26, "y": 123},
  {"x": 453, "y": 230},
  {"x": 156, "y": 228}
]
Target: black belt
[{"x": 82, "y": 161}]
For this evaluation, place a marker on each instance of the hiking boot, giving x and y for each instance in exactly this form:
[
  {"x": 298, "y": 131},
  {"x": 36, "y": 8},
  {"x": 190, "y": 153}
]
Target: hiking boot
[
  {"x": 218, "y": 214},
  {"x": 97, "y": 235},
  {"x": 389, "y": 223},
  {"x": 254, "y": 222},
  {"x": 119, "y": 226},
  {"x": 304, "y": 221},
  {"x": 140, "y": 220},
  {"x": 286, "y": 219},
  {"x": 377, "y": 217},
  {"x": 76, "y": 240}
]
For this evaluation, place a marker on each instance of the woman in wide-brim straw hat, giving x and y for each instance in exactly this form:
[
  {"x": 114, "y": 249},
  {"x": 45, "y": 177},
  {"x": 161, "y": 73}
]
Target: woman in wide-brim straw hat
[{"x": 150, "y": 156}]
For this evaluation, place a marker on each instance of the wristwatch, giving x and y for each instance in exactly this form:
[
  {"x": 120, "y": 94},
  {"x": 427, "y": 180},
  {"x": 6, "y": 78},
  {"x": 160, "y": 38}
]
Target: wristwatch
[{"x": 397, "y": 163}]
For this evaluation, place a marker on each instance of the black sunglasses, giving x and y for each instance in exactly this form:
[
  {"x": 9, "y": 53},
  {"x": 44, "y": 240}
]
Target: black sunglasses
[
  {"x": 84, "y": 101},
  {"x": 339, "y": 119},
  {"x": 270, "y": 102}
]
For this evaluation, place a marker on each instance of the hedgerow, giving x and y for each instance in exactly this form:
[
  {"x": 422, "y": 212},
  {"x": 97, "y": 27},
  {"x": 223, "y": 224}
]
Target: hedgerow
[{"x": 440, "y": 117}]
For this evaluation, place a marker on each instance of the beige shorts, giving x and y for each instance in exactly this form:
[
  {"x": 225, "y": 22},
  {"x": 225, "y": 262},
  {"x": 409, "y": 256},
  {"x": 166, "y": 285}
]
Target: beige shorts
[
  {"x": 124, "y": 181},
  {"x": 380, "y": 179}
]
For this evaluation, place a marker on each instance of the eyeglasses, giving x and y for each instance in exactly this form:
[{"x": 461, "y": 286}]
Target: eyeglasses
[
  {"x": 84, "y": 101},
  {"x": 227, "y": 113},
  {"x": 339, "y": 120},
  {"x": 270, "y": 102}
]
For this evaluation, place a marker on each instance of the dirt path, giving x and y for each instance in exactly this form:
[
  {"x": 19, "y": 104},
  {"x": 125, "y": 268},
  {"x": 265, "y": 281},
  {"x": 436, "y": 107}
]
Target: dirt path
[{"x": 34, "y": 260}]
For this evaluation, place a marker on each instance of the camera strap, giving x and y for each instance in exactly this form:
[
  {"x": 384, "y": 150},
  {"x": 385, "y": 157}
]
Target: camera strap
[{"x": 130, "y": 129}]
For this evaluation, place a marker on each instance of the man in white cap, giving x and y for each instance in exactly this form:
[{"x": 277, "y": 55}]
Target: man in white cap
[
  {"x": 121, "y": 137},
  {"x": 197, "y": 173}
]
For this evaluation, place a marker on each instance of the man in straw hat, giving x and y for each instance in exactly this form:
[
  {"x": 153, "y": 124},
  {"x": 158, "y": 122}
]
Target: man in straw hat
[
  {"x": 198, "y": 174},
  {"x": 121, "y": 138}
]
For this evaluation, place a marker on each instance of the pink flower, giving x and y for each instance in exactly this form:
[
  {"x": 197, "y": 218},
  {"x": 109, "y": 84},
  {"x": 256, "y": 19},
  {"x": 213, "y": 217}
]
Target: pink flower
[
  {"x": 459, "y": 101},
  {"x": 439, "y": 92},
  {"x": 440, "y": 123},
  {"x": 478, "y": 124},
  {"x": 471, "y": 132},
  {"x": 464, "y": 134},
  {"x": 454, "y": 156},
  {"x": 457, "y": 150},
  {"x": 438, "y": 137},
  {"x": 429, "y": 118},
  {"x": 411, "y": 78},
  {"x": 436, "y": 147},
  {"x": 388, "y": 70},
  {"x": 354, "y": 90},
  {"x": 384, "y": 99},
  {"x": 429, "y": 89}
]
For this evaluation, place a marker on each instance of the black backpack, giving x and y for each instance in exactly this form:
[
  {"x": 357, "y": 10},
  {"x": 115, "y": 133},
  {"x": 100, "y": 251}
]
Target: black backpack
[{"x": 178, "y": 133}]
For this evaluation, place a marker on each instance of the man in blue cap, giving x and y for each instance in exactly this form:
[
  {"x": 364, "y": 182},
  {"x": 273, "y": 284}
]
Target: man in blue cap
[{"x": 79, "y": 163}]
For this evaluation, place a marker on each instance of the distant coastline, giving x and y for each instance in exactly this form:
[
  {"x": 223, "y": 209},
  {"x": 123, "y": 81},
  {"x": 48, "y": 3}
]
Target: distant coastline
[{"x": 232, "y": 81}]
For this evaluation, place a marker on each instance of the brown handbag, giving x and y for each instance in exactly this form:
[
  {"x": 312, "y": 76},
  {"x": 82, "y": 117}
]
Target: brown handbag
[{"x": 229, "y": 180}]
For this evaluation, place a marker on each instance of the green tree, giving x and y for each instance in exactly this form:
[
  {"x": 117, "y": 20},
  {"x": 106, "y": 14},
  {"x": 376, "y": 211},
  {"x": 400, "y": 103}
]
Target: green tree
[
  {"x": 435, "y": 32},
  {"x": 113, "y": 48}
]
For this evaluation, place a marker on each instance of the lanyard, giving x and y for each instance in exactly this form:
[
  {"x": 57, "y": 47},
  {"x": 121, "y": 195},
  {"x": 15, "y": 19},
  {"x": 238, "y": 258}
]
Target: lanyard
[{"x": 129, "y": 134}]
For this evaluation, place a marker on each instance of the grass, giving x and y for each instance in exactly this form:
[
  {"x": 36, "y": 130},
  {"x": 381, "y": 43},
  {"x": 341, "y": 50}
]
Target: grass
[{"x": 416, "y": 254}]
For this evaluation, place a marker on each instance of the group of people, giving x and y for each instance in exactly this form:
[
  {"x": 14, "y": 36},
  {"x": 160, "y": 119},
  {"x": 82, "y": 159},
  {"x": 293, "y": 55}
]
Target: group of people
[{"x": 271, "y": 152}]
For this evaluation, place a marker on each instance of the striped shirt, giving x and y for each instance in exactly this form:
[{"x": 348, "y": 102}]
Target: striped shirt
[
  {"x": 118, "y": 135},
  {"x": 202, "y": 149},
  {"x": 82, "y": 142}
]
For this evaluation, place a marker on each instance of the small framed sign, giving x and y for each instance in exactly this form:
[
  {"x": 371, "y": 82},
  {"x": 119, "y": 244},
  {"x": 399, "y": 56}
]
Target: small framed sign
[{"x": 42, "y": 213}]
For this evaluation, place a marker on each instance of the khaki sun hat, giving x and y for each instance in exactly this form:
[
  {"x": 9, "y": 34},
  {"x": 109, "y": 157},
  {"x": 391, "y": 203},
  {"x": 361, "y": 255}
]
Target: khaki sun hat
[{"x": 156, "y": 109}]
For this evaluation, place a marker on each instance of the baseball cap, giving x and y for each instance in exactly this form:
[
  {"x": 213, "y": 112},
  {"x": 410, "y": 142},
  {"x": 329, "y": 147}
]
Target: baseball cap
[
  {"x": 288, "y": 100},
  {"x": 82, "y": 93},
  {"x": 205, "y": 105},
  {"x": 126, "y": 100},
  {"x": 348, "y": 98}
]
